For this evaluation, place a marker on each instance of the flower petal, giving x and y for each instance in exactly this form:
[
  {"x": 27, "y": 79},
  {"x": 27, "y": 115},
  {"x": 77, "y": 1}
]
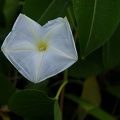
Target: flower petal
[
  {"x": 26, "y": 62},
  {"x": 60, "y": 37},
  {"x": 52, "y": 23},
  {"x": 20, "y": 43},
  {"x": 40, "y": 52},
  {"x": 29, "y": 28},
  {"x": 52, "y": 64}
]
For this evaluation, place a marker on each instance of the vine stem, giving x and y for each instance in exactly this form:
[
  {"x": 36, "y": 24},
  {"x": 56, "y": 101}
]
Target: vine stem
[
  {"x": 65, "y": 81},
  {"x": 62, "y": 90},
  {"x": 62, "y": 100}
]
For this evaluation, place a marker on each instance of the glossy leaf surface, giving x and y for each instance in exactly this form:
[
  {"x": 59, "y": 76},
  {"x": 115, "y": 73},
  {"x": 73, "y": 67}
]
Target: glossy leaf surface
[
  {"x": 97, "y": 20},
  {"x": 111, "y": 50},
  {"x": 32, "y": 103},
  {"x": 45, "y": 8}
]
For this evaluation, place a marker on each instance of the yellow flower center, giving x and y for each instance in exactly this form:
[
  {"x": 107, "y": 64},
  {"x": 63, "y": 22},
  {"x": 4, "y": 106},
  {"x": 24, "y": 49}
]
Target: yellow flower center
[{"x": 42, "y": 46}]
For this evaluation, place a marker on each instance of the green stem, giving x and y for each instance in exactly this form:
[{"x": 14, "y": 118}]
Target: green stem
[
  {"x": 65, "y": 75},
  {"x": 70, "y": 81},
  {"x": 65, "y": 81}
]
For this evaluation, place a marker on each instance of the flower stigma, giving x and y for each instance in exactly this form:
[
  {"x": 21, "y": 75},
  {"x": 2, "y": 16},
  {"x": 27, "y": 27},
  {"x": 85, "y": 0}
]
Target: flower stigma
[{"x": 42, "y": 46}]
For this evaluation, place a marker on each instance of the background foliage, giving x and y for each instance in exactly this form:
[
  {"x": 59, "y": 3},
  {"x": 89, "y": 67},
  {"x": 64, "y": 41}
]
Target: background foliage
[{"x": 92, "y": 90}]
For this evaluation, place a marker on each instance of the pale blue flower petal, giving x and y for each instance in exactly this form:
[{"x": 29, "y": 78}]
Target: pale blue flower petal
[
  {"x": 61, "y": 38},
  {"x": 26, "y": 62},
  {"x": 39, "y": 52},
  {"x": 52, "y": 23},
  {"x": 28, "y": 28},
  {"x": 52, "y": 64}
]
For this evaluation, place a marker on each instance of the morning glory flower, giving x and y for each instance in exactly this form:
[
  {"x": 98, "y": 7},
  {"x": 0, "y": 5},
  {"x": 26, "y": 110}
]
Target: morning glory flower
[{"x": 39, "y": 52}]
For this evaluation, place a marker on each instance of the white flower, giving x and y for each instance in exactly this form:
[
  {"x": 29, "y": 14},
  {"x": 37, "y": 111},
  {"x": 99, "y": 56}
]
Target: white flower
[{"x": 39, "y": 52}]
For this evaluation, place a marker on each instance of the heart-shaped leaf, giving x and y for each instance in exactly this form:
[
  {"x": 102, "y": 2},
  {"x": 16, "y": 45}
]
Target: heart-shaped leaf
[
  {"x": 90, "y": 66},
  {"x": 97, "y": 20},
  {"x": 29, "y": 103},
  {"x": 111, "y": 50},
  {"x": 44, "y": 10}
]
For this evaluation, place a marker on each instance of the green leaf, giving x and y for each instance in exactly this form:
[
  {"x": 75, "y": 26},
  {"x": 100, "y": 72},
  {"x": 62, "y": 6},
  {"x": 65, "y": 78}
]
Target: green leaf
[
  {"x": 111, "y": 55},
  {"x": 3, "y": 62},
  {"x": 35, "y": 8},
  {"x": 6, "y": 90},
  {"x": 41, "y": 86},
  {"x": 45, "y": 10},
  {"x": 91, "y": 66},
  {"x": 91, "y": 108},
  {"x": 114, "y": 90},
  {"x": 10, "y": 10},
  {"x": 29, "y": 103},
  {"x": 97, "y": 20},
  {"x": 42, "y": 117},
  {"x": 2, "y": 17},
  {"x": 57, "y": 113}
]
